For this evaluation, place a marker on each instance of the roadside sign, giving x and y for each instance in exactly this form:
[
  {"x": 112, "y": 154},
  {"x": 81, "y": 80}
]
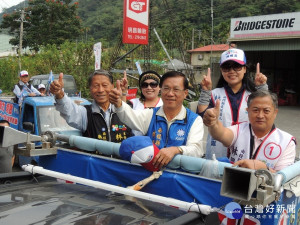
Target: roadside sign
[
  {"x": 97, "y": 52},
  {"x": 136, "y": 22}
]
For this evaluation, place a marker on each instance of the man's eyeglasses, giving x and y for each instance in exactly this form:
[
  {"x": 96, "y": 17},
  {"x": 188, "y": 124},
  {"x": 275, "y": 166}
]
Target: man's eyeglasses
[
  {"x": 236, "y": 67},
  {"x": 168, "y": 89},
  {"x": 152, "y": 85}
]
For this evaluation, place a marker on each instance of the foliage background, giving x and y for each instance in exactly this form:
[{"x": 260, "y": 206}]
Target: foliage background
[
  {"x": 70, "y": 58},
  {"x": 101, "y": 20}
]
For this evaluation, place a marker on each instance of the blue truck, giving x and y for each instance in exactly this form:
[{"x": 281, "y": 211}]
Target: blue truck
[{"x": 37, "y": 115}]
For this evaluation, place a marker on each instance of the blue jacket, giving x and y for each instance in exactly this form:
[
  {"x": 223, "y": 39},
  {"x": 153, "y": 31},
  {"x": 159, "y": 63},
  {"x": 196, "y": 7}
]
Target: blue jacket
[{"x": 177, "y": 133}]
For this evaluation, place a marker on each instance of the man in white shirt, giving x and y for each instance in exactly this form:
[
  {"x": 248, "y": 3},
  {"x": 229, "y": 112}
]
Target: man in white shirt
[
  {"x": 256, "y": 144},
  {"x": 172, "y": 128},
  {"x": 23, "y": 83}
]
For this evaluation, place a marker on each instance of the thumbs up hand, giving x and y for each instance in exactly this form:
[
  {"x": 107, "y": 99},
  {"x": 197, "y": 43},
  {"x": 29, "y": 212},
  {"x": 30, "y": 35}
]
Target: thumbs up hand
[
  {"x": 206, "y": 83},
  {"x": 211, "y": 115},
  {"x": 260, "y": 78},
  {"x": 115, "y": 95},
  {"x": 215, "y": 127},
  {"x": 56, "y": 87}
]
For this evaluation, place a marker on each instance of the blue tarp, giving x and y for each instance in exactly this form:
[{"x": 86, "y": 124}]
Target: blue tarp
[{"x": 174, "y": 184}]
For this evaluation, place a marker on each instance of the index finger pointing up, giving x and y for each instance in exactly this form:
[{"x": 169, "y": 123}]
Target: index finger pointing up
[
  {"x": 208, "y": 73},
  {"x": 125, "y": 75},
  {"x": 257, "y": 68}
]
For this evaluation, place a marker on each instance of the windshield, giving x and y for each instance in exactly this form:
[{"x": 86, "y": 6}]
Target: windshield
[
  {"x": 51, "y": 120},
  {"x": 69, "y": 83}
]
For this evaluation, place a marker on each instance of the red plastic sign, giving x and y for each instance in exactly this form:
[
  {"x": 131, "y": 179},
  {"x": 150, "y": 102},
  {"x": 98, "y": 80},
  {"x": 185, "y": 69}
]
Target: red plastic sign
[{"x": 136, "y": 21}]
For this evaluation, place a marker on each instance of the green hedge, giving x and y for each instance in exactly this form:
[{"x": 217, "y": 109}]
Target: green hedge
[{"x": 72, "y": 58}]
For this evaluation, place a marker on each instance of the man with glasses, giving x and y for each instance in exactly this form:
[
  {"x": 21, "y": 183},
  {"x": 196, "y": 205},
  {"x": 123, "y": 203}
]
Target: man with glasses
[
  {"x": 23, "y": 88},
  {"x": 173, "y": 128},
  {"x": 97, "y": 120}
]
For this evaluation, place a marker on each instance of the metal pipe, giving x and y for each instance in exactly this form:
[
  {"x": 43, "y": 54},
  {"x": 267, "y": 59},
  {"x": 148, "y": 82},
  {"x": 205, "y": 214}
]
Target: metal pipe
[
  {"x": 64, "y": 138},
  {"x": 163, "y": 46},
  {"x": 123, "y": 56},
  {"x": 186, "y": 206},
  {"x": 278, "y": 181},
  {"x": 290, "y": 172}
]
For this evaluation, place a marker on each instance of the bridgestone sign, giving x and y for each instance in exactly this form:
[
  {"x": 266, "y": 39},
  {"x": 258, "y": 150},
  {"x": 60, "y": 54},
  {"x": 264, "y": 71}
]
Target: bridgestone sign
[{"x": 275, "y": 25}]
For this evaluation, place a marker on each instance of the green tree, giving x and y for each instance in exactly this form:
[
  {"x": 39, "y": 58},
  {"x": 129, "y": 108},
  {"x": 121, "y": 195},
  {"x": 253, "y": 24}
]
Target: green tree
[
  {"x": 72, "y": 58},
  {"x": 46, "y": 22}
]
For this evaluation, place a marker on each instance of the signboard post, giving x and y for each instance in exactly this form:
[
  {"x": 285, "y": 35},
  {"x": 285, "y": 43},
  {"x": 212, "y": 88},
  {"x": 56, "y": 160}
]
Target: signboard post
[
  {"x": 136, "y": 22},
  {"x": 97, "y": 52}
]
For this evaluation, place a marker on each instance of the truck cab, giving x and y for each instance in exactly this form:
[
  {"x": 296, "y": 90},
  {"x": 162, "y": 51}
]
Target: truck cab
[{"x": 37, "y": 115}]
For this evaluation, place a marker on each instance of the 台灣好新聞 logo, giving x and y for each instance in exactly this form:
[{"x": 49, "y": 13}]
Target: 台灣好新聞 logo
[{"x": 233, "y": 210}]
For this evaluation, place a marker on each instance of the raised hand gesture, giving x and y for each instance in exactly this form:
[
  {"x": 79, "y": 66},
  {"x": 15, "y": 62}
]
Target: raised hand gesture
[
  {"x": 56, "y": 87},
  {"x": 124, "y": 83},
  {"x": 115, "y": 95},
  {"x": 260, "y": 78},
  {"x": 211, "y": 115},
  {"x": 206, "y": 82},
  {"x": 124, "y": 86}
]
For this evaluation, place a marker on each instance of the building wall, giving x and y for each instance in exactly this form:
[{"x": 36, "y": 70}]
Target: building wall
[
  {"x": 205, "y": 61},
  {"x": 201, "y": 66}
]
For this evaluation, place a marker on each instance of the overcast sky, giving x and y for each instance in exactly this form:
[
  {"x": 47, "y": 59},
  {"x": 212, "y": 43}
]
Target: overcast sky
[{"x": 8, "y": 3}]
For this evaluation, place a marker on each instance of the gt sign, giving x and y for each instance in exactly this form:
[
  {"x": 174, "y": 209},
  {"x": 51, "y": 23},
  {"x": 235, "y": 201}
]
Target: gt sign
[
  {"x": 138, "y": 6},
  {"x": 136, "y": 22}
]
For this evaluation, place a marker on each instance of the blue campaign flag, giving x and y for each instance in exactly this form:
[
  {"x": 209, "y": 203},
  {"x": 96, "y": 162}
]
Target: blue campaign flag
[
  {"x": 50, "y": 80},
  {"x": 0, "y": 91},
  {"x": 25, "y": 92},
  {"x": 138, "y": 66}
]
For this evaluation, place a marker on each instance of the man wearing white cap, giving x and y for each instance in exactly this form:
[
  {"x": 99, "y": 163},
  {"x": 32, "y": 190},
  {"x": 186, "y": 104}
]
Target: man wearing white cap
[
  {"x": 42, "y": 89},
  {"x": 23, "y": 83}
]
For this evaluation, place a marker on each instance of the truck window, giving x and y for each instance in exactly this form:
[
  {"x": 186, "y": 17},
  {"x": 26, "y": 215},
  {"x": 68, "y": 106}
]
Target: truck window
[
  {"x": 51, "y": 120},
  {"x": 28, "y": 115},
  {"x": 70, "y": 86}
]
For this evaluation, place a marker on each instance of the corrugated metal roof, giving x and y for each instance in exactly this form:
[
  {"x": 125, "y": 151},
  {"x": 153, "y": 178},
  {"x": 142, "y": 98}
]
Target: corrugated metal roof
[
  {"x": 270, "y": 45},
  {"x": 208, "y": 48}
]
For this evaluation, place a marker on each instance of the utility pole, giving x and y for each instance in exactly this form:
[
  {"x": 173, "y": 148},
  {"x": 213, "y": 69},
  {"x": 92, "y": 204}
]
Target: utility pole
[
  {"x": 21, "y": 20},
  {"x": 21, "y": 32},
  {"x": 193, "y": 37}
]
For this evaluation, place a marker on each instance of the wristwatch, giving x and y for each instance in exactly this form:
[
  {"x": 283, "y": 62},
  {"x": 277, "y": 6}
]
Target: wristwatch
[{"x": 180, "y": 150}]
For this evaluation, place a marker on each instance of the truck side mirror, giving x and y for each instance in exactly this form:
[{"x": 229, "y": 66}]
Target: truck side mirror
[{"x": 28, "y": 126}]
